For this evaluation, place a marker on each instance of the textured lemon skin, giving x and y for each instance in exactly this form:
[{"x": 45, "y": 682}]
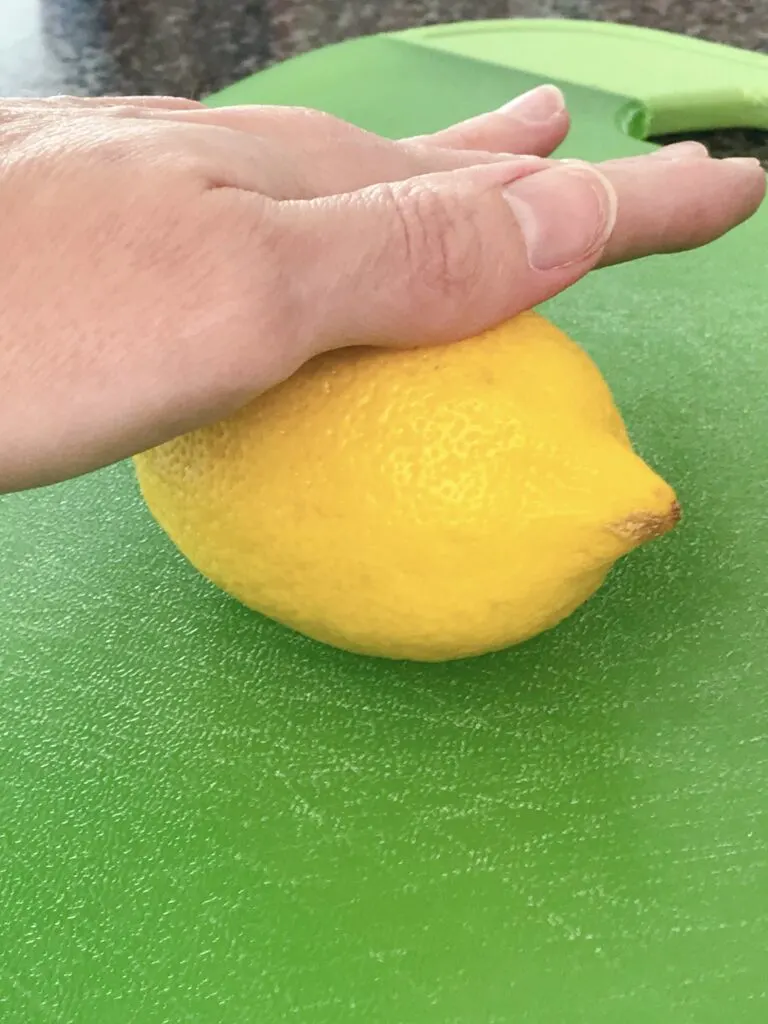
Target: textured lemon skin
[{"x": 427, "y": 504}]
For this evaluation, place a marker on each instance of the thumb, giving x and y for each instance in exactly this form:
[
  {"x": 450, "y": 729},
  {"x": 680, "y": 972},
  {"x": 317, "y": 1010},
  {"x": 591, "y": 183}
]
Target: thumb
[{"x": 441, "y": 257}]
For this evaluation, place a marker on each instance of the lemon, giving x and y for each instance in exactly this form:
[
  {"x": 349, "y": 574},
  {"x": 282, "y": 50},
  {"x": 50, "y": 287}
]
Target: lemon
[{"x": 426, "y": 504}]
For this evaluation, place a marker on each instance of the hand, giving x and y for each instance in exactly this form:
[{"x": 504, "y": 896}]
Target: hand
[{"x": 162, "y": 263}]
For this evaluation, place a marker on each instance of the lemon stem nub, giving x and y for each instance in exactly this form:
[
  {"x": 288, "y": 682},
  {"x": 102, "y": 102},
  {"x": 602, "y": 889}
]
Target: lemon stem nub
[{"x": 641, "y": 527}]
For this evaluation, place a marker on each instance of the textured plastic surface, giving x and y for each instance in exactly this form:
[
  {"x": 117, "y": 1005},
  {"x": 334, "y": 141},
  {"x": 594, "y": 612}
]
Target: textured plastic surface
[{"x": 205, "y": 818}]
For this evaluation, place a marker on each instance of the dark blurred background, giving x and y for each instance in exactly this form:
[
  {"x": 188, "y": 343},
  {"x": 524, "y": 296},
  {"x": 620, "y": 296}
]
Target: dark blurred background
[{"x": 193, "y": 47}]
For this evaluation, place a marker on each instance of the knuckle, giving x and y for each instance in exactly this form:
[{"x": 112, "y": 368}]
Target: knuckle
[
  {"x": 322, "y": 126},
  {"x": 301, "y": 116},
  {"x": 441, "y": 241}
]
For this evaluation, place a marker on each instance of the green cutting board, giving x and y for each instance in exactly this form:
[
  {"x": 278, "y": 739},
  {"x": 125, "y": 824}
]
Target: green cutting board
[{"x": 207, "y": 819}]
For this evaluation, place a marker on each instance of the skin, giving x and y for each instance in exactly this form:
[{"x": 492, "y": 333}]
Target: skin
[{"x": 162, "y": 263}]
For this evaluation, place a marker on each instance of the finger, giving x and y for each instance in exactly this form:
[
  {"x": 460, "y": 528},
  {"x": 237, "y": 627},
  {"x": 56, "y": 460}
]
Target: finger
[
  {"x": 535, "y": 123},
  {"x": 441, "y": 257},
  {"x": 688, "y": 150},
  {"x": 675, "y": 151},
  {"x": 321, "y": 155},
  {"x": 668, "y": 205}
]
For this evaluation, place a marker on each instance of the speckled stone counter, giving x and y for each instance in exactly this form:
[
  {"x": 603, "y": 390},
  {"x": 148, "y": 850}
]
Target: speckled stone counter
[{"x": 191, "y": 47}]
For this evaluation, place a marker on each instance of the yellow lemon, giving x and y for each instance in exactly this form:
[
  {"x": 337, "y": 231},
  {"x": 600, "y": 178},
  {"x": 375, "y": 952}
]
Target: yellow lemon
[{"x": 426, "y": 504}]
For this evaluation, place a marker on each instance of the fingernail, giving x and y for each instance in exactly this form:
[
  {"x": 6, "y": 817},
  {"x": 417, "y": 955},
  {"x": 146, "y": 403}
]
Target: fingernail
[
  {"x": 681, "y": 150},
  {"x": 566, "y": 214},
  {"x": 743, "y": 161},
  {"x": 538, "y": 106}
]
